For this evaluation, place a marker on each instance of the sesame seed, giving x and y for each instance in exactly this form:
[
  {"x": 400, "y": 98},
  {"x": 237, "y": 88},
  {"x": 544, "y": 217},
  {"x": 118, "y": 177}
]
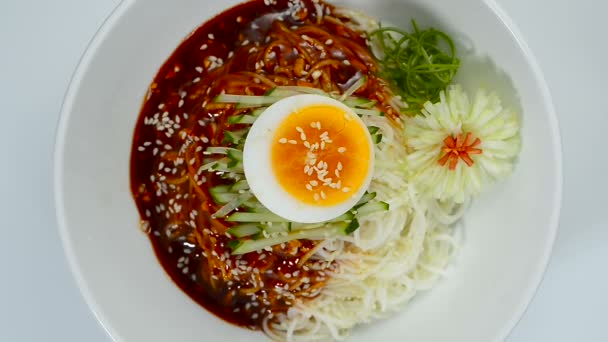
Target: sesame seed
[
  {"x": 346, "y": 62},
  {"x": 316, "y": 197},
  {"x": 196, "y": 80},
  {"x": 309, "y": 187},
  {"x": 329, "y": 42},
  {"x": 341, "y": 149},
  {"x": 345, "y": 189},
  {"x": 204, "y": 47},
  {"x": 302, "y": 136},
  {"x": 339, "y": 166},
  {"x": 211, "y": 36},
  {"x": 199, "y": 69},
  {"x": 323, "y": 196},
  {"x": 283, "y": 141},
  {"x": 245, "y": 42},
  {"x": 316, "y": 74},
  {"x": 293, "y": 142}
]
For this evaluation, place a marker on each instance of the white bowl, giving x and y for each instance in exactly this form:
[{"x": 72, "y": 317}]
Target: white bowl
[{"x": 509, "y": 230}]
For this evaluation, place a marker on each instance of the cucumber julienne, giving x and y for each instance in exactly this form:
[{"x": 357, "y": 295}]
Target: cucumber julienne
[{"x": 253, "y": 226}]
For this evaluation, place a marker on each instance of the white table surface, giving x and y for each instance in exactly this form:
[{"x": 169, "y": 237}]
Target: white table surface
[{"x": 41, "y": 43}]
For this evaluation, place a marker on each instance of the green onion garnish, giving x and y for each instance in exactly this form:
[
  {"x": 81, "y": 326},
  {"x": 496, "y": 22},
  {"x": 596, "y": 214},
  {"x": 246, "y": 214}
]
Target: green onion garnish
[{"x": 419, "y": 64}]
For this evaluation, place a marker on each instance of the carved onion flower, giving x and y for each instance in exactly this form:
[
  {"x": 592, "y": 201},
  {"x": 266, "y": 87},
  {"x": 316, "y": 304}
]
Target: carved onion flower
[{"x": 457, "y": 146}]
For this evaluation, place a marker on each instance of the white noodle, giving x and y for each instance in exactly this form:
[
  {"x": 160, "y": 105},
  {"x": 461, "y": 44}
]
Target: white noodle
[{"x": 391, "y": 257}]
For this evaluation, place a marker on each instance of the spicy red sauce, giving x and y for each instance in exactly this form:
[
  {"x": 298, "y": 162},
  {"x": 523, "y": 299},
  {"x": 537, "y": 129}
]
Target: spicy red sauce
[{"x": 284, "y": 42}]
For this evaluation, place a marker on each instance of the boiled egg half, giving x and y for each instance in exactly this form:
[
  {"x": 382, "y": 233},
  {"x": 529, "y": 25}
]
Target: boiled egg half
[{"x": 308, "y": 158}]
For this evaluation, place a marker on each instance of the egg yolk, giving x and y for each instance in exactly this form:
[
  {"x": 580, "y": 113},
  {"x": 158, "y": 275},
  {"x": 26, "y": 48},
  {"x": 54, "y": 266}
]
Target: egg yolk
[{"x": 320, "y": 155}]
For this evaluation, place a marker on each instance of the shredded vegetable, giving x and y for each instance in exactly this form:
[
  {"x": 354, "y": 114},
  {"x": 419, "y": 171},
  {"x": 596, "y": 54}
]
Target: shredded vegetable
[
  {"x": 460, "y": 144},
  {"x": 257, "y": 228},
  {"x": 419, "y": 64}
]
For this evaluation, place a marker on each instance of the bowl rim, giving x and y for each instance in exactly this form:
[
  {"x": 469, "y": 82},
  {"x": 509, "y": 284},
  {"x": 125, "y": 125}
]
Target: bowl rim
[{"x": 99, "y": 37}]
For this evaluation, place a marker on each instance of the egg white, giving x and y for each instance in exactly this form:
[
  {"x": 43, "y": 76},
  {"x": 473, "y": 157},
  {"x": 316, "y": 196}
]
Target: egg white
[{"x": 259, "y": 173}]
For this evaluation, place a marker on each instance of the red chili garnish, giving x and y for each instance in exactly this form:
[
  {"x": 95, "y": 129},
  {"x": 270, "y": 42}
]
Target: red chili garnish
[{"x": 457, "y": 148}]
